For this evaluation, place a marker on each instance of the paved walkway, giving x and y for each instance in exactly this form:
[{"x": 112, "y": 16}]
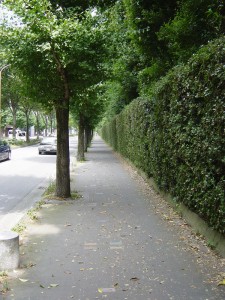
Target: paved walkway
[{"x": 119, "y": 241}]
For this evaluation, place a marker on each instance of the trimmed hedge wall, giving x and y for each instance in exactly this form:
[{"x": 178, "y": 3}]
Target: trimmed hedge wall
[{"x": 177, "y": 136}]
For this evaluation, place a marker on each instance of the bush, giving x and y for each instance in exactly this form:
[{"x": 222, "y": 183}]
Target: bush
[{"x": 177, "y": 136}]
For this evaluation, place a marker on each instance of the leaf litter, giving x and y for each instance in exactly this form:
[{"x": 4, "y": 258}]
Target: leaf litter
[{"x": 210, "y": 263}]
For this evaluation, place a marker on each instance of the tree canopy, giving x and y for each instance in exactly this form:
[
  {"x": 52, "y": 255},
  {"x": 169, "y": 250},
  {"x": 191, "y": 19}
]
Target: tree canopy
[
  {"x": 60, "y": 56},
  {"x": 148, "y": 38}
]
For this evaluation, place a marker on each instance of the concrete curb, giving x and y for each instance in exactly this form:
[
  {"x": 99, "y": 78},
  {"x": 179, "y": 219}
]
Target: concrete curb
[{"x": 214, "y": 238}]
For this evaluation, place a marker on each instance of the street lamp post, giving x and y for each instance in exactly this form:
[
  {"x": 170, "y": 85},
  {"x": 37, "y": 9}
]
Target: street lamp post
[{"x": 1, "y": 69}]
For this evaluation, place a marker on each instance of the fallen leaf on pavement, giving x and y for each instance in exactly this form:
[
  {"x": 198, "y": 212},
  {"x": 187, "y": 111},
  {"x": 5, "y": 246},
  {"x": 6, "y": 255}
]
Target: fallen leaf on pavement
[
  {"x": 53, "y": 285},
  {"x": 23, "y": 280},
  {"x": 134, "y": 279},
  {"x": 106, "y": 290},
  {"x": 222, "y": 282}
]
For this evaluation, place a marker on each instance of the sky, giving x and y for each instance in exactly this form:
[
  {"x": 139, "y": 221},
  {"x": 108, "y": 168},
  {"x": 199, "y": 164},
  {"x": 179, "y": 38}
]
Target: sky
[{"x": 8, "y": 16}]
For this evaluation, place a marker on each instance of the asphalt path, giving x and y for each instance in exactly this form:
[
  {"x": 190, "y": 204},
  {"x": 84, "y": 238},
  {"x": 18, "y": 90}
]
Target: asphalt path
[{"x": 23, "y": 180}]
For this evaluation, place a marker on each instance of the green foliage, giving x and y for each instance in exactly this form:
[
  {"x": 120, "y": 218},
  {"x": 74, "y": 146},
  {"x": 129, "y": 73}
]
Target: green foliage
[
  {"x": 195, "y": 23},
  {"x": 145, "y": 19},
  {"x": 50, "y": 190},
  {"x": 122, "y": 63},
  {"x": 81, "y": 5},
  {"x": 19, "y": 228},
  {"x": 14, "y": 142},
  {"x": 147, "y": 38},
  {"x": 178, "y": 135},
  {"x": 4, "y": 285},
  {"x": 49, "y": 43}
]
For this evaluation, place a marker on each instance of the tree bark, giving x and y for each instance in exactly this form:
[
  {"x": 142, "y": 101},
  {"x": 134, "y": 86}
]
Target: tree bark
[
  {"x": 27, "y": 114},
  {"x": 14, "y": 123},
  {"x": 62, "y": 117},
  {"x": 63, "y": 156},
  {"x": 37, "y": 123},
  {"x": 88, "y": 137},
  {"x": 81, "y": 146},
  {"x": 85, "y": 139}
]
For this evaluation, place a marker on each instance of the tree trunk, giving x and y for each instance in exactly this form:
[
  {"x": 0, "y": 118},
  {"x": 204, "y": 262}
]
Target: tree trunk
[
  {"x": 45, "y": 119},
  {"x": 27, "y": 113},
  {"x": 14, "y": 123},
  {"x": 85, "y": 139},
  {"x": 51, "y": 122},
  {"x": 63, "y": 155},
  {"x": 88, "y": 137},
  {"x": 80, "y": 150},
  {"x": 38, "y": 124},
  {"x": 62, "y": 117}
]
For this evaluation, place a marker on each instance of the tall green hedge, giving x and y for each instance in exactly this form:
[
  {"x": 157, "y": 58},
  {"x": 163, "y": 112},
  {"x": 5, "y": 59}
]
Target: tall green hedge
[{"x": 177, "y": 135}]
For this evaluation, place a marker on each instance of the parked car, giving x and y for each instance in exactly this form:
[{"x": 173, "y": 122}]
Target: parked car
[
  {"x": 22, "y": 135},
  {"x": 48, "y": 145},
  {"x": 10, "y": 133},
  {"x": 19, "y": 134},
  {"x": 5, "y": 150}
]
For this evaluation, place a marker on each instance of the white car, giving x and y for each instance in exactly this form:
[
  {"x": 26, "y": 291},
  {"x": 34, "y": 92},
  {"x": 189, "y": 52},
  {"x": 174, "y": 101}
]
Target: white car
[
  {"x": 21, "y": 135},
  {"x": 48, "y": 145}
]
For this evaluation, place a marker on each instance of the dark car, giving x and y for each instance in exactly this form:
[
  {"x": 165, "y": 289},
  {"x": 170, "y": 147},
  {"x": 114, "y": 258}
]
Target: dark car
[
  {"x": 5, "y": 150},
  {"x": 48, "y": 145}
]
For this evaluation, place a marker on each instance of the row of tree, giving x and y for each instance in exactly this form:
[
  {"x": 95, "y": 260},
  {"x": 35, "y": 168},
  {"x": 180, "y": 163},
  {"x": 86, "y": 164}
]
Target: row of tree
[
  {"x": 58, "y": 52},
  {"x": 18, "y": 111},
  {"x": 92, "y": 57}
]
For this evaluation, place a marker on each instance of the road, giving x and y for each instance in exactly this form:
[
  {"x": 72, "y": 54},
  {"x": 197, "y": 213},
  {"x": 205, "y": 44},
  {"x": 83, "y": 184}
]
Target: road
[{"x": 23, "y": 180}]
